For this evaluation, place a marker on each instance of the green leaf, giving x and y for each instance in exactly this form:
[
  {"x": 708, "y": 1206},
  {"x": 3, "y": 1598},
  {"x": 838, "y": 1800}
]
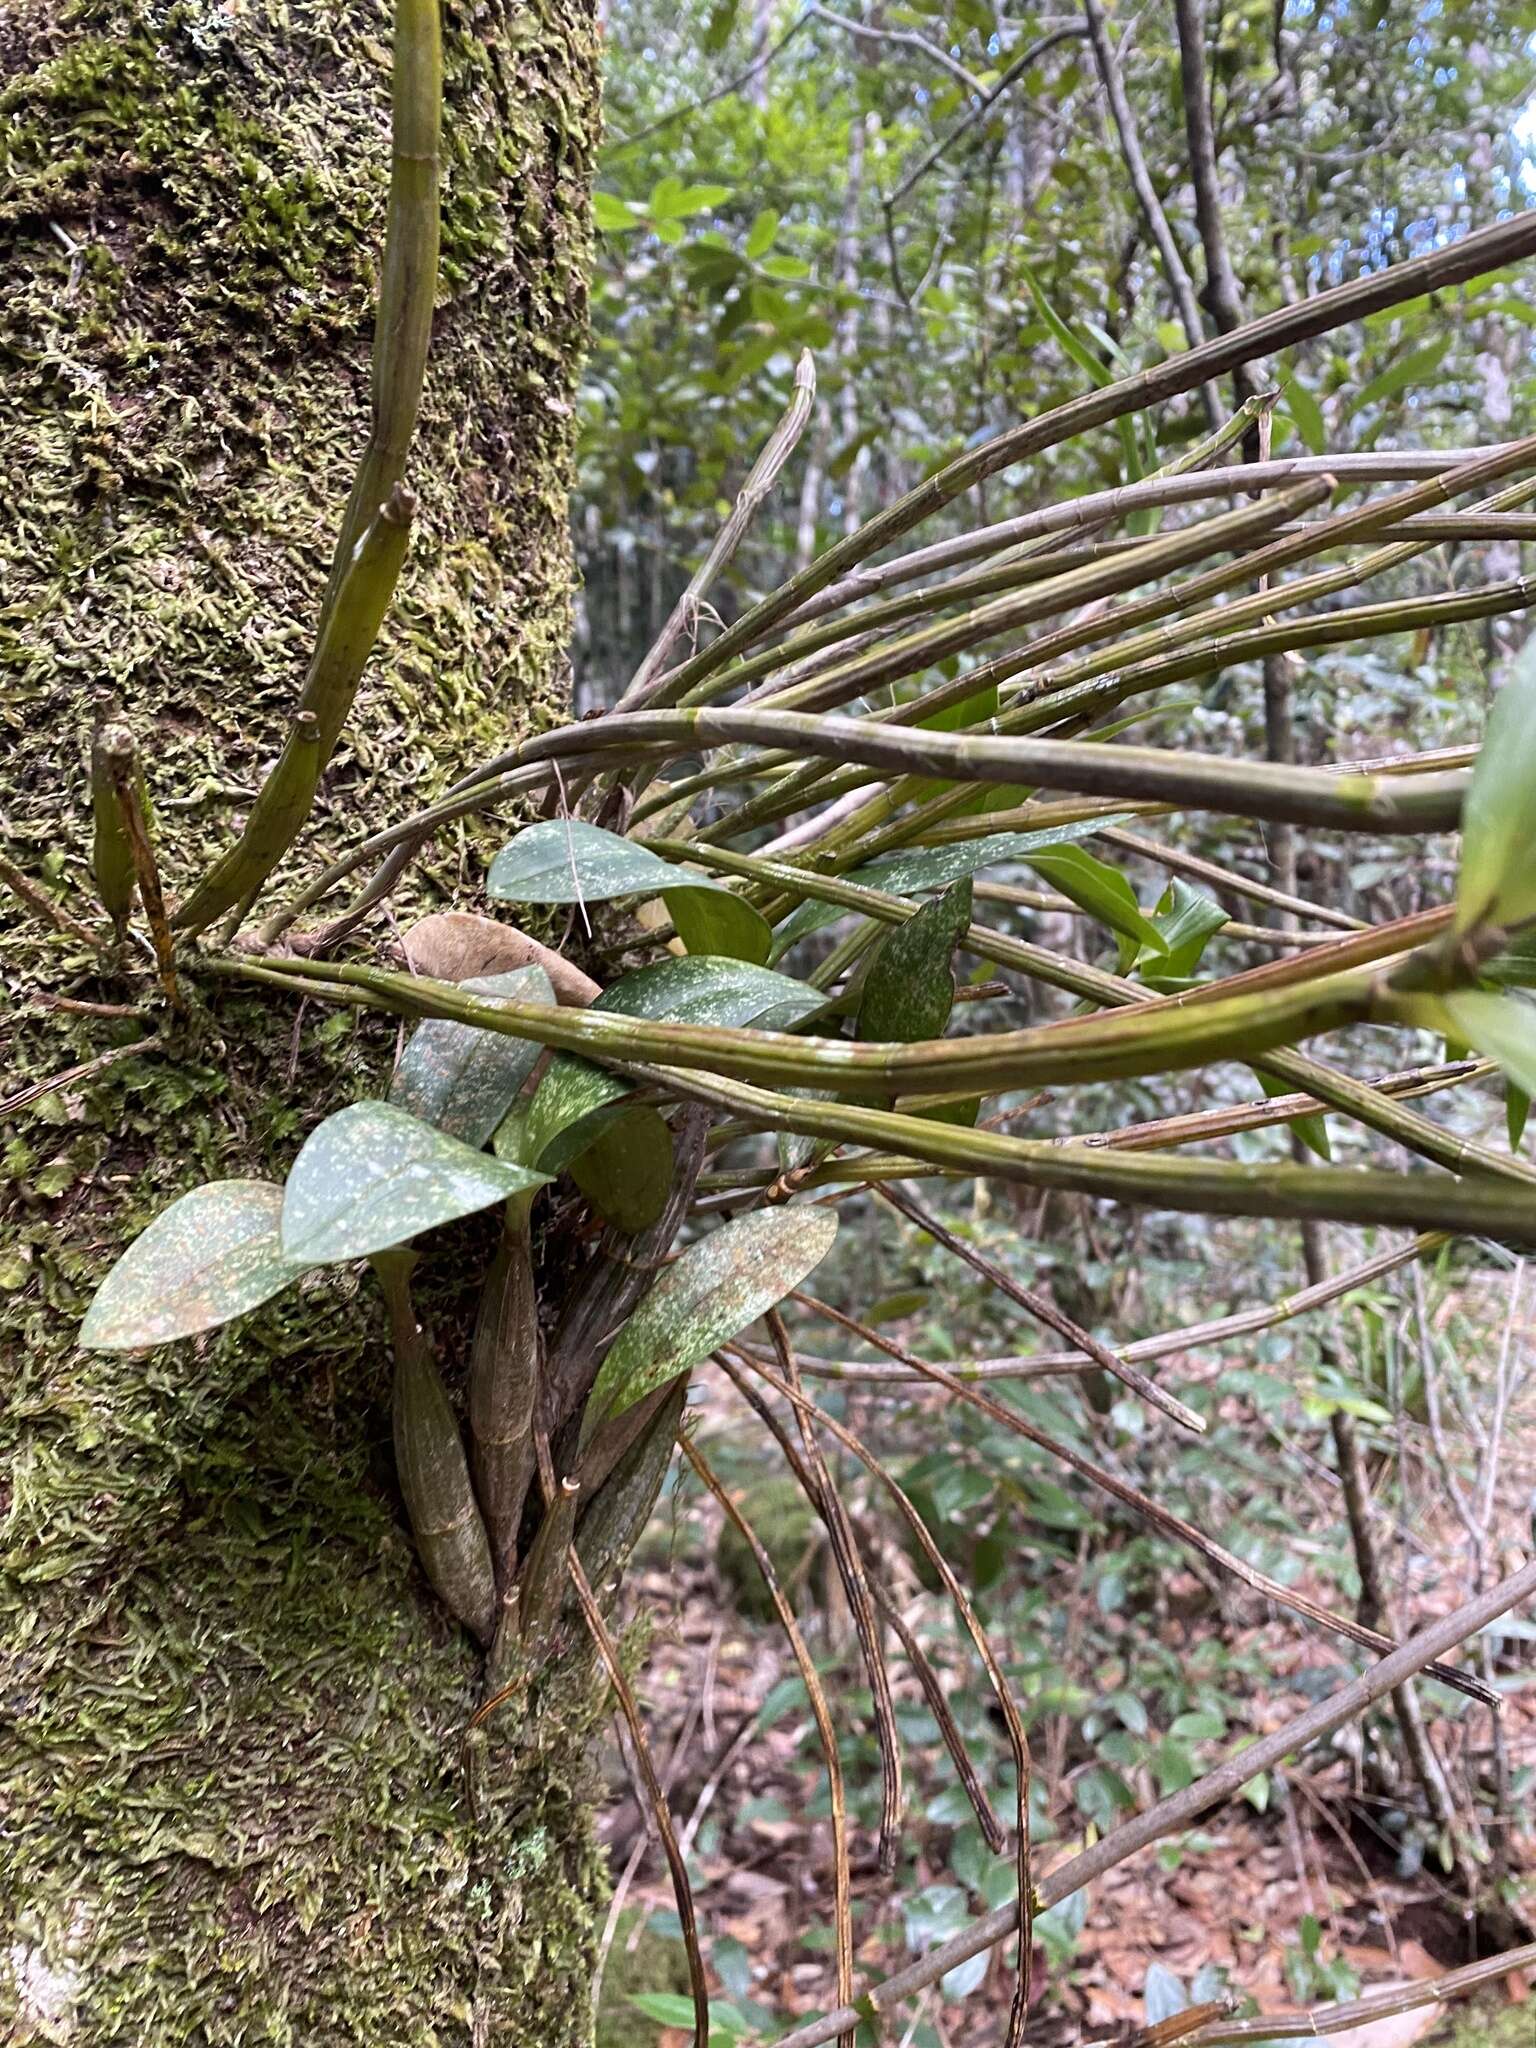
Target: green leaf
[
  {"x": 1498, "y": 824},
  {"x": 565, "y": 860},
  {"x": 973, "y": 710},
  {"x": 671, "y": 199},
  {"x": 1203, "y": 1724},
  {"x": 667, "y": 2008},
  {"x": 761, "y": 234},
  {"x": 911, "y": 870},
  {"x": 462, "y": 1078},
  {"x": 1502, "y": 1028},
  {"x": 717, "y": 33},
  {"x": 626, "y": 1173},
  {"x": 372, "y": 1176},
  {"x": 211, "y": 1256},
  {"x": 717, "y": 921},
  {"x": 671, "y": 2009},
  {"x": 1517, "y": 1107},
  {"x": 1415, "y": 369},
  {"x": 910, "y": 988},
  {"x": 697, "y": 990},
  {"x": 1086, "y": 361},
  {"x": 710, "y": 1295},
  {"x": 612, "y": 214},
  {"x": 1186, "y": 920},
  {"x": 1515, "y": 967},
  {"x": 1311, "y": 1130},
  {"x": 1307, "y": 416},
  {"x": 1093, "y": 885}
]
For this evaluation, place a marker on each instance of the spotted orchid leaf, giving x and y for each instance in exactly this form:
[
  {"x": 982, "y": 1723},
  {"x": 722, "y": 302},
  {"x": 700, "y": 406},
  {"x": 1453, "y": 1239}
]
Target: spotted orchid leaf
[
  {"x": 211, "y": 1256},
  {"x": 464, "y": 1079},
  {"x": 718, "y": 1286},
  {"x": 373, "y": 1176}
]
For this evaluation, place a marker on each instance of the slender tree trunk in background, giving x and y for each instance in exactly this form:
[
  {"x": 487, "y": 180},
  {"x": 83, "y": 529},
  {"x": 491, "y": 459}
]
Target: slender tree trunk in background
[
  {"x": 848, "y": 328},
  {"x": 1223, "y": 297},
  {"x": 239, "y": 1807},
  {"x": 845, "y": 348}
]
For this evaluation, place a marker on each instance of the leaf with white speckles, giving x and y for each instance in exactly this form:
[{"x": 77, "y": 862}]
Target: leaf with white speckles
[
  {"x": 213, "y": 1255},
  {"x": 464, "y": 1079},
  {"x": 910, "y": 988},
  {"x": 710, "y": 1295},
  {"x": 372, "y": 1176},
  {"x": 565, "y": 860},
  {"x": 697, "y": 990}
]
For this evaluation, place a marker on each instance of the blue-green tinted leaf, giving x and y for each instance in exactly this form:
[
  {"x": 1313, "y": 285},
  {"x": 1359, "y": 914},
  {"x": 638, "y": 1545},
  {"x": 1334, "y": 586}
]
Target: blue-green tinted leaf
[
  {"x": 209, "y": 1257},
  {"x": 565, "y": 860},
  {"x": 696, "y": 990},
  {"x": 914, "y": 871},
  {"x": 373, "y": 1176},
  {"x": 710, "y": 1295},
  {"x": 1165, "y": 1994},
  {"x": 464, "y": 1079}
]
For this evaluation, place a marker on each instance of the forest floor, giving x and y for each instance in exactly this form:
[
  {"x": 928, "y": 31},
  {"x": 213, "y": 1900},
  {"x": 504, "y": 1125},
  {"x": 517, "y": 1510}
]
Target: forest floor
[{"x": 1303, "y": 1902}]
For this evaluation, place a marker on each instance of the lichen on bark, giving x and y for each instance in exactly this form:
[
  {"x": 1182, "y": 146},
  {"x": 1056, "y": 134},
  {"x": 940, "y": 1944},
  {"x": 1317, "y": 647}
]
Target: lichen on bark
[{"x": 237, "y": 1807}]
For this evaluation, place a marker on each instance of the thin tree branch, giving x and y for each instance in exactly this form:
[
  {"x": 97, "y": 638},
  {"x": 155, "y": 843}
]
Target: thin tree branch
[
  {"x": 907, "y": 39},
  {"x": 721, "y": 92},
  {"x": 656, "y": 1797},
  {"x": 1223, "y": 296},
  {"x": 979, "y": 112},
  {"x": 1146, "y": 193}
]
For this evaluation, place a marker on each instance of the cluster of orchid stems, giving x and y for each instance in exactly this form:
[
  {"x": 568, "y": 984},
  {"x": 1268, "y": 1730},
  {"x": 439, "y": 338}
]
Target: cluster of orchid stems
[{"x": 846, "y": 756}]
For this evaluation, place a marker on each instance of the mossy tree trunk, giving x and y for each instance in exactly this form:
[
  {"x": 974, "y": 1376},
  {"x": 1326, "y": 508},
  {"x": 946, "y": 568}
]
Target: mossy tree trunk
[{"x": 236, "y": 1799}]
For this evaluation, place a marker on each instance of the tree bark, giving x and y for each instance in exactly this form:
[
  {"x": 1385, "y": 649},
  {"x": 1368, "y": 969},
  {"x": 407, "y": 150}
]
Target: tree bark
[{"x": 239, "y": 1802}]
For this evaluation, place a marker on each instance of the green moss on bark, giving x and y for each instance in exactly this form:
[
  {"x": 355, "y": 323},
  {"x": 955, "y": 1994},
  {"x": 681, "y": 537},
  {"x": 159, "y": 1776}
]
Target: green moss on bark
[{"x": 234, "y": 1781}]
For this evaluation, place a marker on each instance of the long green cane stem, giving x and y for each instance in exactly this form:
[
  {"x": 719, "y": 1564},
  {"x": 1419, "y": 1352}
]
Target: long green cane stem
[
  {"x": 1251, "y": 789},
  {"x": 1138, "y": 1039},
  {"x": 287, "y": 797},
  {"x": 407, "y": 278},
  {"x": 1489, "y": 249},
  {"x": 1098, "y": 508}
]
